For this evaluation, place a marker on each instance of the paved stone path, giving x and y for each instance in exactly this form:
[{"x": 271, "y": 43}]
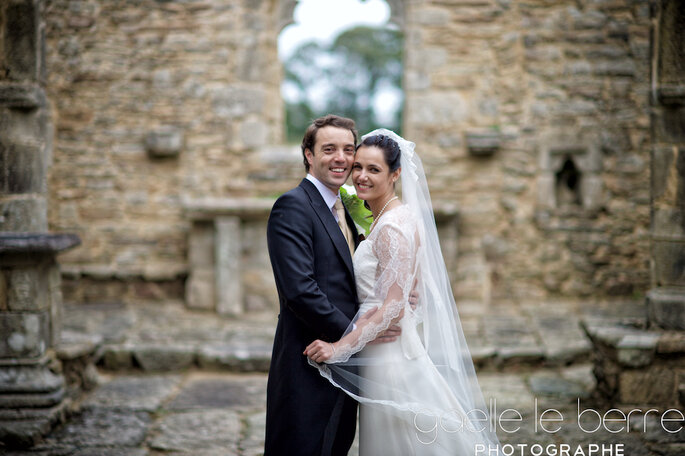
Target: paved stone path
[
  {"x": 173, "y": 382},
  {"x": 201, "y": 413}
]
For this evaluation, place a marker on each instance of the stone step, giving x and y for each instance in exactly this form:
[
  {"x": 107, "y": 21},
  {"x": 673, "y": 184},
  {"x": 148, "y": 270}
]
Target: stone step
[{"x": 167, "y": 337}]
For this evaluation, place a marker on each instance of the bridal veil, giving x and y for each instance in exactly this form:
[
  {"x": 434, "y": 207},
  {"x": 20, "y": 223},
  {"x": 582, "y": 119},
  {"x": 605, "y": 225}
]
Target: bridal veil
[{"x": 433, "y": 387}]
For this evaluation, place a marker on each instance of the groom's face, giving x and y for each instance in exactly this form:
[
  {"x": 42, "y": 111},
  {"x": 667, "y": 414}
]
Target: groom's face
[{"x": 331, "y": 160}]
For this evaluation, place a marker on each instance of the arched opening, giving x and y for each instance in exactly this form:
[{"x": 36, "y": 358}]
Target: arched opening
[{"x": 342, "y": 57}]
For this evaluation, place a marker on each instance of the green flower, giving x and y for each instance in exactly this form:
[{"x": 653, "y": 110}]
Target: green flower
[{"x": 355, "y": 206}]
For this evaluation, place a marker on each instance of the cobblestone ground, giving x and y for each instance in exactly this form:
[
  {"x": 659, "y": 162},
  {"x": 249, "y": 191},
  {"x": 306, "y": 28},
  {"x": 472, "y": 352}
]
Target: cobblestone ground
[
  {"x": 173, "y": 382},
  {"x": 199, "y": 413}
]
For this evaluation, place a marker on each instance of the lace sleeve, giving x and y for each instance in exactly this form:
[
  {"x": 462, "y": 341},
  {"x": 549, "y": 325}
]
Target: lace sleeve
[{"x": 395, "y": 247}]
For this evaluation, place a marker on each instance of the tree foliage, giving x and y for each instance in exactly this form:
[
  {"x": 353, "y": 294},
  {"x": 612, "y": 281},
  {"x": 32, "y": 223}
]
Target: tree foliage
[{"x": 358, "y": 76}]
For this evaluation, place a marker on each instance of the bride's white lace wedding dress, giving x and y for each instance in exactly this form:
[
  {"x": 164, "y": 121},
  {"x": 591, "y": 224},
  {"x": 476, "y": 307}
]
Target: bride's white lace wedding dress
[
  {"x": 418, "y": 395},
  {"x": 403, "y": 367}
]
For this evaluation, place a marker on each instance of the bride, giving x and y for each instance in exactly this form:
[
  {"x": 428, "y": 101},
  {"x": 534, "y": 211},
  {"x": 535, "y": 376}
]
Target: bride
[{"x": 419, "y": 394}]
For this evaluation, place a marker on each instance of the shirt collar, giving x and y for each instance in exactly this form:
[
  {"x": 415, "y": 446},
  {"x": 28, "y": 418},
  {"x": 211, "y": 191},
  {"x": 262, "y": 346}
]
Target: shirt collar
[{"x": 328, "y": 196}]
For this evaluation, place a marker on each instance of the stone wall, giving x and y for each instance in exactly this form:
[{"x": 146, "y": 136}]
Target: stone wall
[
  {"x": 531, "y": 116},
  {"x": 154, "y": 102},
  {"x": 559, "y": 90}
]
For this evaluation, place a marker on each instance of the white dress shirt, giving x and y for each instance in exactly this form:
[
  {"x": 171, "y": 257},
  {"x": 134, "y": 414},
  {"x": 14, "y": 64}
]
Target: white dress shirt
[{"x": 328, "y": 196}]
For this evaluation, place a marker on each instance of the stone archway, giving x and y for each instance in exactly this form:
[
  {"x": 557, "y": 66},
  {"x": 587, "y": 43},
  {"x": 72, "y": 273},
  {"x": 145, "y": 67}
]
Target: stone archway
[{"x": 286, "y": 8}]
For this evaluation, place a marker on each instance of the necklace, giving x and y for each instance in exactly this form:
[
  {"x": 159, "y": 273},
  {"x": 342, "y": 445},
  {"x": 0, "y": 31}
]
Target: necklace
[{"x": 381, "y": 212}]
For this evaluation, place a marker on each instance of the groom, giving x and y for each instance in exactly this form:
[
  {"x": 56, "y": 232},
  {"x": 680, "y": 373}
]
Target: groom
[{"x": 311, "y": 238}]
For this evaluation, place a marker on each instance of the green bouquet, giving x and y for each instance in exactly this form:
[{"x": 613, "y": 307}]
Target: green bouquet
[{"x": 355, "y": 206}]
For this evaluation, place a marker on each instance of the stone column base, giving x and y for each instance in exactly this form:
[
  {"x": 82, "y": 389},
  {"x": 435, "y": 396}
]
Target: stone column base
[{"x": 32, "y": 401}]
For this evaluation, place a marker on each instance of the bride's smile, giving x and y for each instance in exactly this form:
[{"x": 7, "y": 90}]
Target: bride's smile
[{"x": 372, "y": 178}]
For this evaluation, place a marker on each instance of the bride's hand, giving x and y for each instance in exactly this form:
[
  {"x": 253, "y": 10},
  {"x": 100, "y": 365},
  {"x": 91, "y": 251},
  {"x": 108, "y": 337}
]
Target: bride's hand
[{"x": 320, "y": 351}]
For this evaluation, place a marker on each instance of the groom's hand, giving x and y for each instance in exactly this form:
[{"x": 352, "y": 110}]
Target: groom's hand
[
  {"x": 389, "y": 335},
  {"x": 414, "y": 295}
]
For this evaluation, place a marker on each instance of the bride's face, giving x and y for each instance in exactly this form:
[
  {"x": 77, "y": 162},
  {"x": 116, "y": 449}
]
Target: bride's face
[{"x": 371, "y": 174}]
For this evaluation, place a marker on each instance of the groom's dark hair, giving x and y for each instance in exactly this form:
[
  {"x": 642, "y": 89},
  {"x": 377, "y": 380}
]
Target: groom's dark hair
[{"x": 328, "y": 120}]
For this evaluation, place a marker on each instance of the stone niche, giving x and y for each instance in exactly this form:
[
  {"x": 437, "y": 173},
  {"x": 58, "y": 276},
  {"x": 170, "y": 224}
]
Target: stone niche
[
  {"x": 229, "y": 268},
  {"x": 569, "y": 172}
]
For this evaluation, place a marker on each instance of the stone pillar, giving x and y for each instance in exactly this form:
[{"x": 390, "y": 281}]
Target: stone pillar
[
  {"x": 32, "y": 388},
  {"x": 229, "y": 287},
  {"x": 666, "y": 301}
]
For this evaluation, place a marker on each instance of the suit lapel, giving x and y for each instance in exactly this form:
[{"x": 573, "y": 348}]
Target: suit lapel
[{"x": 325, "y": 215}]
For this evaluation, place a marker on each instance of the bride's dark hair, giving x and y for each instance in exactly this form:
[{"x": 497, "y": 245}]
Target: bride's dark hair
[
  {"x": 391, "y": 152},
  {"x": 390, "y": 148}
]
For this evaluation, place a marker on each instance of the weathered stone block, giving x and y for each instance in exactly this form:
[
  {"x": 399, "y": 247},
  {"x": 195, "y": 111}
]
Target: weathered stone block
[
  {"x": 25, "y": 214},
  {"x": 17, "y": 96},
  {"x": 163, "y": 358},
  {"x": 117, "y": 357},
  {"x": 669, "y": 124},
  {"x": 661, "y": 168},
  {"x": 482, "y": 143},
  {"x": 436, "y": 109},
  {"x": 22, "y": 162},
  {"x": 555, "y": 386},
  {"x": 669, "y": 262},
  {"x": 254, "y": 134},
  {"x": 232, "y": 102},
  {"x": 21, "y": 40},
  {"x": 671, "y": 342},
  {"x": 146, "y": 393},
  {"x": 591, "y": 187},
  {"x": 24, "y": 335},
  {"x": 178, "y": 431},
  {"x": 104, "y": 427},
  {"x": 164, "y": 142},
  {"x": 666, "y": 307},
  {"x": 201, "y": 245},
  {"x": 200, "y": 289},
  {"x": 649, "y": 386},
  {"x": 28, "y": 289},
  {"x": 432, "y": 16},
  {"x": 546, "y": 194}
]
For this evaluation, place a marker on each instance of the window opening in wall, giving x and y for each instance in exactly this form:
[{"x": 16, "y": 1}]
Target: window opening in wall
[
  {"x": 568, "y": 184},
  {"x": 342, "y": 57}
]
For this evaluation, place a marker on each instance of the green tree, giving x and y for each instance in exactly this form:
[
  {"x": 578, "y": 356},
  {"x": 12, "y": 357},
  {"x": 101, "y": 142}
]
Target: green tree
[{"x": 347, "y": 78}]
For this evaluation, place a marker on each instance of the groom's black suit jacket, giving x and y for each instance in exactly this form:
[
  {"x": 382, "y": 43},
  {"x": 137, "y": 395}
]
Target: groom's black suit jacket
[{"x": 312, "y": 265}]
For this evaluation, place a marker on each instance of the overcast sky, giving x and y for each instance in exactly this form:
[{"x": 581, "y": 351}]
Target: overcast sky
[{"x": 324, "y": 19}]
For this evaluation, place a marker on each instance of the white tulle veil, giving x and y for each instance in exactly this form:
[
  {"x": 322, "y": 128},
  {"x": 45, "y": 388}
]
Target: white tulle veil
[{"x": 417, "y": 263}]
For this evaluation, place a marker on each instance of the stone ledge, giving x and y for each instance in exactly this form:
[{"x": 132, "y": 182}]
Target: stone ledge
[
  {"x": 74, "y": 345},
  {"x": 11, "y": 242},
  {"x": 151, "y": 272},
  {"x": 207, "y": 209},
  {"x": 634, "y": 347},
  {"x": 671, "y": 94},
  {"x": 17, "y": 96},
  {"x": 210, "y": 208},
  {"x": 482, "y": 143}
]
